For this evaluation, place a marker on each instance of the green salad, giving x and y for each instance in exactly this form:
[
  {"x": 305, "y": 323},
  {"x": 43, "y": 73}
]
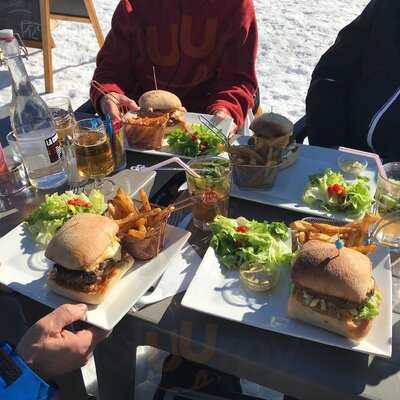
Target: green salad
[
  {"x": 329, "y": 191},
  {"x": 239, "y": 241},
  {"x": 198, "y": 141},
  {"x": 57, "y": 209}
]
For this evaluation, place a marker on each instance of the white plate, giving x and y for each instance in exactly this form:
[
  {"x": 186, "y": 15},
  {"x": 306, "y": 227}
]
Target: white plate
[
  {"x": 218, "y": 292},
  {"x": 24, "y": 269},
  {"x": 289, "y": 186},
  {"x": 190, "y": 118}
]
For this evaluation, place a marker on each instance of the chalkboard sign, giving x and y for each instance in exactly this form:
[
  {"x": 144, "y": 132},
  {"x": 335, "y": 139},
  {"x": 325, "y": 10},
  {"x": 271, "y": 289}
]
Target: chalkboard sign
[
  {"x": 23, "y": 16},
  {"x": 70, "y": 8}
]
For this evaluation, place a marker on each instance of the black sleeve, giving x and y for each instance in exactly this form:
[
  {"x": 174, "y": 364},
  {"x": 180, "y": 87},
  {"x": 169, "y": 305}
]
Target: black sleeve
[{"x": 327, "y": 97}]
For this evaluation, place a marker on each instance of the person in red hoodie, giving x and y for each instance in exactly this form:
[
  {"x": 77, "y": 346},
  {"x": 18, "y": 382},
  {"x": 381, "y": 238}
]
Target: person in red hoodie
[{"x": 204, "y": 51}]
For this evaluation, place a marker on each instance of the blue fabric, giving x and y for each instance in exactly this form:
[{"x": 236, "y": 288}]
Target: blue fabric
[{"x": 28, "y": 386}]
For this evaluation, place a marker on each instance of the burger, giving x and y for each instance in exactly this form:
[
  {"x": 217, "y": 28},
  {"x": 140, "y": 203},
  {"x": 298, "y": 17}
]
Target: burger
[
  {"x": 271, "y": 125},
  {"x": 334, "y": 290},
  {"x": 88, "y": 258},
  {"x": 161, "y": 102},
  {"x": 160, "y": 111},
  {"x": 272, "y": 134}
]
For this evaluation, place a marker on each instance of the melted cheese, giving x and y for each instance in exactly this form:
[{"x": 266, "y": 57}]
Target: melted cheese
[{"x": 112, "y": 251}]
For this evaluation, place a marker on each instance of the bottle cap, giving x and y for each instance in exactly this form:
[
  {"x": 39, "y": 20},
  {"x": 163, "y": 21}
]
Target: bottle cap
[{"x": 6, "y": 34}]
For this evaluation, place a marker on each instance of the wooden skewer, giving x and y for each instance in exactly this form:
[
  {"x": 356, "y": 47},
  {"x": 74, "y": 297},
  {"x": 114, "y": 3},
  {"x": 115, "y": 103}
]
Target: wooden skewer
[{"x": 154, "y": 77}]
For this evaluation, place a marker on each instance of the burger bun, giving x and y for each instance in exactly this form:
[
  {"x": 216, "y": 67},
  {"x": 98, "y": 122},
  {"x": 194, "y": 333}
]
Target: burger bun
[
  {"x": 81, "y": 241},
  {"x": 271, "y": 125},
  {"x": 347, "y": 328},
  {"x": 159, "y": 100}
]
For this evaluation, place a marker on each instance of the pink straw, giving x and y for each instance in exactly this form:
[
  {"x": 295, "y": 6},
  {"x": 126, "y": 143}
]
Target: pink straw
[
  {"x": 3, "y": 164},
  {"x": 170, "y": 161}
]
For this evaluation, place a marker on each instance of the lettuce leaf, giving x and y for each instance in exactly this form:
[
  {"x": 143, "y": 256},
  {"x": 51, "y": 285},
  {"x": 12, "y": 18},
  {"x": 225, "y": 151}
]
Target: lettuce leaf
[
  {"x": 357, "y": 201},
  {"x": 198, "y": 141},
  {"x": 55, "y": 211},
  {"x": 262, "y": 242},
  {"x": 371, "y": 309}
]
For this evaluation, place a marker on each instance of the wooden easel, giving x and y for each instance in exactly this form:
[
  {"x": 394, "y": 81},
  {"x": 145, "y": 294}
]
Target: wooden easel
[{"x": 47, "y": 42}]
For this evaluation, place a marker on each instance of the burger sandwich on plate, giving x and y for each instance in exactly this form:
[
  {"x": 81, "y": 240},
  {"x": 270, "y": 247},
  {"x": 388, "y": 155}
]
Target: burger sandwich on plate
[
  {"x": 88, "y": 258},
  {"x": 334, "y": 290},
  {"x": 160, "y": 111}
]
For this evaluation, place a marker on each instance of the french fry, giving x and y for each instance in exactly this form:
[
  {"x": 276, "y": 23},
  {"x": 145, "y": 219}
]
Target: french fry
[
  {"x": 129, "y": 221},
  {"x": 142, "y": 228},
  {"x": 332, "y": 229},
  {"x": 319, "y": 236},
  {"x": 302, "y": 237},
  {"x": 136, "y": 234},
  {"x": 365, "y": 249},
  {"x": 303, "y": 226},
  {"x": 157, "y": 219},
  {"x": 140, "y": 222},
  {"x": 145, "y": 200},
  {"x": 111, "y": 210},
  {"x": 124, "y": 203}
]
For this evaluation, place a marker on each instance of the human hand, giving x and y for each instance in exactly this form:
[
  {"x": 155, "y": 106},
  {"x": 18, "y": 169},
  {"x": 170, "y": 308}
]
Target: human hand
[
  {"x": 223, "y": 113},
  {"x": 50, "y": 350},
  {"x": 108, "y": 106}
]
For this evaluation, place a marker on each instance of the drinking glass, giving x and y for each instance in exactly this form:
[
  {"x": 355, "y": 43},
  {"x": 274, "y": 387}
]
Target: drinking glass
[
  {"x": 40, "y": 151},
  {"x": 93, "y": 153},
  {"x": 387, "y": 206},
  {"x": 61, "y": 110},
  {"x": 12, "y": 144},
  {"x": 13, "y": 179},
  {"x": 210, "y": 192}
]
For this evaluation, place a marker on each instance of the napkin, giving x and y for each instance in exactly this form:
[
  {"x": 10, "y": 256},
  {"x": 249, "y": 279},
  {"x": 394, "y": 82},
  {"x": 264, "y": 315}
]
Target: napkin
[{"x": 177, "y": 277}]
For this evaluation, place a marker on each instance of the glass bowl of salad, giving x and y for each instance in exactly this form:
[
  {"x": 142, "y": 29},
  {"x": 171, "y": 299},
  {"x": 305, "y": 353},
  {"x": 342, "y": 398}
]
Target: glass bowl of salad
[
  {"x": 352, "y": 164},
  {"x": 259, "y": 277}
]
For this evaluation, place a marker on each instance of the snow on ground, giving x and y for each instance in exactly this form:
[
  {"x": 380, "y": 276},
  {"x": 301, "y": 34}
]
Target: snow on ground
[{"x": 293, "y": 35}]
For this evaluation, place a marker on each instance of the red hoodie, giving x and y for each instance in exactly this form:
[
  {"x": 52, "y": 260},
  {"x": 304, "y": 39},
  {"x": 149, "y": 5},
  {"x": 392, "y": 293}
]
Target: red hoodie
[{"x": 203, "y": 50}]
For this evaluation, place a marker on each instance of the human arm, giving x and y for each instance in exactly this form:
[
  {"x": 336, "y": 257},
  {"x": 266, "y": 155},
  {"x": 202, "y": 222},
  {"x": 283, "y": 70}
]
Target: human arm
[
  {"x": 237, "y": 81},
  {"x": 115, "y": 63},
  {"x": 50, "y": 350},
  {"x": 327, "y": 102}
]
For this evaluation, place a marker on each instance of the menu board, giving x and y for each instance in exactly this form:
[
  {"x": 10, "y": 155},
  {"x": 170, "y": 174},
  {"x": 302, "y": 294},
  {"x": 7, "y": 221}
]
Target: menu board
[
  {"x": 71, "y": 8},
  {"x": 23, "y": 16}
]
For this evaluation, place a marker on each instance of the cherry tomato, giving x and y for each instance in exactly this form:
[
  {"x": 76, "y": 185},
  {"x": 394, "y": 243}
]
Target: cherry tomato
[
  {"x": 336, "y": 190},
  {"x": 241, "y": 229},
  {"x": 79, "y": 202},
  {"x": 194, "y": 137}
]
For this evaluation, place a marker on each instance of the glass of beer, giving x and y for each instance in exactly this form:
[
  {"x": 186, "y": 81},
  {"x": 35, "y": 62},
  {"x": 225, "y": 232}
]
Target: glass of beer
[
  {"x": 93, "y": 153},
  {"x": 61, "y": 110},
  {"x": 210, "y": 192}
]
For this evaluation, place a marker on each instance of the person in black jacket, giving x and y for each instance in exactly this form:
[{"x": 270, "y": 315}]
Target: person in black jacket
[{"x": 354, "y": 95}]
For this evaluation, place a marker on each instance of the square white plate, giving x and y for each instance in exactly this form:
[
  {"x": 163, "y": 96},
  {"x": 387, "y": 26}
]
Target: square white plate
[
  {"x": 289, "y": 186},
  {"x": 23, "y": 268},
  {"x": 190, "y": 118},
  {"x": 217, "y": 291}
]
